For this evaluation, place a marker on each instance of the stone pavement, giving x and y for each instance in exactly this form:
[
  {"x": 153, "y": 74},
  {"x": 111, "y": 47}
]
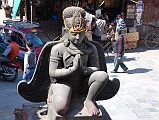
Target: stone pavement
[
  {"x": 10, "y": 99},
  {"x": 138, "y": 96},
  {"x": 137, "y": 99}
]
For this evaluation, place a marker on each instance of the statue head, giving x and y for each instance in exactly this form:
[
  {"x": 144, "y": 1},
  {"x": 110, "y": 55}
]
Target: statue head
[
  {"x": 74, "y": 19},
  {"x": 75, "y": 23}
]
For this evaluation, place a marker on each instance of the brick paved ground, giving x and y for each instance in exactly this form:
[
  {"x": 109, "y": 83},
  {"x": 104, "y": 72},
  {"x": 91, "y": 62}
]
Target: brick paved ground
[{"x": 138, "y": 97}]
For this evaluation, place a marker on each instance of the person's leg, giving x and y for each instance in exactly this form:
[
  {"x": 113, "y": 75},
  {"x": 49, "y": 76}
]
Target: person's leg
[
  {"x": 29, "y": 74},
  {"x": 123, "y": 66},
  {"x": 116, "y": 63},
  {"x": 25, "y": 74},
  {"x": 96, "y": 82}
]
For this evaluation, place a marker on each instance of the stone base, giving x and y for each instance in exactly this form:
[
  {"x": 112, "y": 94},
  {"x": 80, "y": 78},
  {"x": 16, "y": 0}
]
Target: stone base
[{"x": 39, "y": 112}]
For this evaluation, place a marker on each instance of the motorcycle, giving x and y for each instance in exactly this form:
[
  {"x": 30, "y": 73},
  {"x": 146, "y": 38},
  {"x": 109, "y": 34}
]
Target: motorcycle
[{"x": 9, "y": 70}]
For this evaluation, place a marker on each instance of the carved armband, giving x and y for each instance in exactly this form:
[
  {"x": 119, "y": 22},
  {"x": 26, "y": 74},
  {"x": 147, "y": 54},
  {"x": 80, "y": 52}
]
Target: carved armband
[{"x": 70, "y": 71}]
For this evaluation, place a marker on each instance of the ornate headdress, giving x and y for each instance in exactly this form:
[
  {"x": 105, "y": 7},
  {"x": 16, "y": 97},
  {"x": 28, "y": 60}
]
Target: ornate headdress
[{"x": 74, "y": 19}]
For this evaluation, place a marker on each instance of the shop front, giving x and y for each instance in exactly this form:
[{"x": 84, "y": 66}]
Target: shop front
[{"x": 52, "y": 9}]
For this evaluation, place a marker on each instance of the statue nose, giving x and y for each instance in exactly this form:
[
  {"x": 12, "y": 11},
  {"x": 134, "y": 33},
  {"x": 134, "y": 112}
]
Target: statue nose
[{"x": 77, "y": 36}]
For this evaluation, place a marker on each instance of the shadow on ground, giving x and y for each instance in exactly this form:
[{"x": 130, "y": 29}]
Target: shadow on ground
[
  {"x": 110, "y": 59},
  {"x": 139, "y": 70}
]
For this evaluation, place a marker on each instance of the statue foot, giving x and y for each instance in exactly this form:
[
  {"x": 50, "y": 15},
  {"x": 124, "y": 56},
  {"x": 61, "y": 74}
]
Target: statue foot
[{"x": 91, "y": 108}]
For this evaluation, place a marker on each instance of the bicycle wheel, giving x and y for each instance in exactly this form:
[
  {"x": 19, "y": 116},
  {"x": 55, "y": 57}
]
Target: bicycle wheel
[{"x": 151, "y": 40}]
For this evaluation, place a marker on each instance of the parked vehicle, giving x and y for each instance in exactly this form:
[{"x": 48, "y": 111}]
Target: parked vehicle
[
  {"x": 9, "y": 70},
  {"x": 24, "y": 31}
]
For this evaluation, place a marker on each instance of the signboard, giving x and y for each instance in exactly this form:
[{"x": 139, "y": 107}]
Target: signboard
[
  {"x": 131, "y": 9},
  {"x": 130, "y": 16}
]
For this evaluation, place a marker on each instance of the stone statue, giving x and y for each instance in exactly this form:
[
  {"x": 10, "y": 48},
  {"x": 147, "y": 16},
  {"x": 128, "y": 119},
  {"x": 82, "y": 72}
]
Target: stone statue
[{"x": 69, "y": 68}]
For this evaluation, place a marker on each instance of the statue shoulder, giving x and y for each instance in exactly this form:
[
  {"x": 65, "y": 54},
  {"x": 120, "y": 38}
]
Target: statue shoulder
[
  {"x": 91, "y": 45},
  {"x": 58, "y": 48}
]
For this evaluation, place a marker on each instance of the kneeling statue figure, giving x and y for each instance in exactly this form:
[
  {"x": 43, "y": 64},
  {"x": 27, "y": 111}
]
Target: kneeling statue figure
[{"x": 71, "y": 67}]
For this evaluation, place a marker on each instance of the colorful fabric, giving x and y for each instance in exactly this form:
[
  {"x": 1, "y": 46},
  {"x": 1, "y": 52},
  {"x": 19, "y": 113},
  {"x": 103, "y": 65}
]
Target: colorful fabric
[
  {"x": 14, "y": 50},
  {"x": 120, "y": 25},
  {"x": 119, "y": 45}
]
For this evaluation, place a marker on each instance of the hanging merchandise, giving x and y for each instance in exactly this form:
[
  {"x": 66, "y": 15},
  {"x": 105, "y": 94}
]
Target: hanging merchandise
[
  {"x": 15, "y": 7},
  {"x": 139, "y": 10}
]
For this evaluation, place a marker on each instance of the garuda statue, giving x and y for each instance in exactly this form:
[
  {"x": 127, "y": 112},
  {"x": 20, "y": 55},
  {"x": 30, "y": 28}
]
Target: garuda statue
[{"x": 70, "y": 68}]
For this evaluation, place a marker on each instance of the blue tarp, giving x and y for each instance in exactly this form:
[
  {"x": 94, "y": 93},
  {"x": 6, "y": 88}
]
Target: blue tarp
[{"x": 15, "y": 7}]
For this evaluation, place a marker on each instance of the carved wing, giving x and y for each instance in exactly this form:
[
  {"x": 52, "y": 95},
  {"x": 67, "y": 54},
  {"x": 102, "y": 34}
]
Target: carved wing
[
  {"x": 112, "y": 86},
  {"x": 102, "y": 61},
  {"x": 36, "y": 90}
]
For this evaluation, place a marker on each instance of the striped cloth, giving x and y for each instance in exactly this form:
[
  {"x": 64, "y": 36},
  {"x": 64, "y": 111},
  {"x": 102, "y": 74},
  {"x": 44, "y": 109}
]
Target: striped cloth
[{"x": 120, "y": 25}]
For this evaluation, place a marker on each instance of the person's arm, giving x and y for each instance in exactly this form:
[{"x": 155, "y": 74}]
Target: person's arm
[
  {"x": 26, "y": 61},
  {"x": 7, "y": 51}
]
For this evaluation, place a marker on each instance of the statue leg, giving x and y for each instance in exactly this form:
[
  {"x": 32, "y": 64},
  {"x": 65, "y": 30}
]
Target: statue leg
[
  {"x": 58, "y": 99},
  {"x": 96, "y": 82}
]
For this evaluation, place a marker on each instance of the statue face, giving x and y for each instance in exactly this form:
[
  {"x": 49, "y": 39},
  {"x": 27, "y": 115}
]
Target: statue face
[{"x": 76, "y": 38}]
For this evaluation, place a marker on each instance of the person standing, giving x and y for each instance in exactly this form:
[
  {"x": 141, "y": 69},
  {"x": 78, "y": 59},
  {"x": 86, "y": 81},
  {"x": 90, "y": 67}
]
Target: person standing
[
  {"x": 119, "y": 52},
  {"x": 29, "y": 61},
  {"x": 98, "y": 31}
]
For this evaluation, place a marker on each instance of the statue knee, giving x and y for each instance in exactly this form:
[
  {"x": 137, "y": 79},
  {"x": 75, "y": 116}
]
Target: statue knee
[
  {"x": 61, "y": 107},
  {"x": 101, "y": 76}
]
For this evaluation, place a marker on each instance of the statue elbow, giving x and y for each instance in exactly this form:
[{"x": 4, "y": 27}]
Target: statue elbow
[{"x": 52, "y": 73}]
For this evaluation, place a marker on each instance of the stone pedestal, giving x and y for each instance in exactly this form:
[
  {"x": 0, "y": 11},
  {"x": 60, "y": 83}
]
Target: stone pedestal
[{"x": 39, "y": 112}]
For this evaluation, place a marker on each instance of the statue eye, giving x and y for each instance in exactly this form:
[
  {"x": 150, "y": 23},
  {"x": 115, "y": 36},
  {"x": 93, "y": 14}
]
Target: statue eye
[{"x": 73, "y": 33}]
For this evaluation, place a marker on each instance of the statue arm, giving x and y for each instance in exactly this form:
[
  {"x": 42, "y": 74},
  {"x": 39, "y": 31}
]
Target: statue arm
[{"x": 56, "y": 70}]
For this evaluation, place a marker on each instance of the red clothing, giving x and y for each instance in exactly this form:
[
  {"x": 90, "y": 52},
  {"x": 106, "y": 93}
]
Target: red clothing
[{"x": 14, "y": 50}]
